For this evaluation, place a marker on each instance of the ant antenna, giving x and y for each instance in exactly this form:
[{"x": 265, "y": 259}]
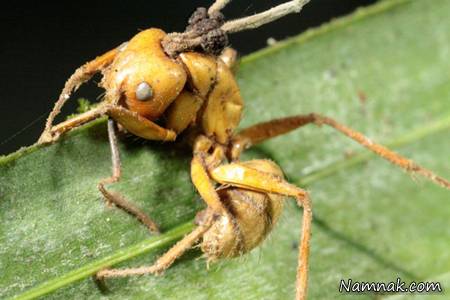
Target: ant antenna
[{"x": 208, "y": 30}]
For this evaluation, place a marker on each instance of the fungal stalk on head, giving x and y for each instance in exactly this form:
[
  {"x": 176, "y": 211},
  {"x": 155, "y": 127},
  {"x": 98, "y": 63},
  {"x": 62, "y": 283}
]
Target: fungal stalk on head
[{"x": 208, "y": 30}]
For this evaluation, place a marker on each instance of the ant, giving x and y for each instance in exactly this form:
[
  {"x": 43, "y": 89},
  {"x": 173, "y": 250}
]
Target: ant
[{"x": 159, "y": 86}]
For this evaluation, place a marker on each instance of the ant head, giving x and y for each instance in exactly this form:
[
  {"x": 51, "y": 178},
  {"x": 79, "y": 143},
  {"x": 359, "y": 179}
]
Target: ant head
[{"x": 145, "y": 75}]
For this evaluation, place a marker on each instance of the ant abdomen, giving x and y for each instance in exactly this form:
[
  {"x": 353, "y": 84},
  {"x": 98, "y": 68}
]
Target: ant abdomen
[{"x": 251, "y": 217}]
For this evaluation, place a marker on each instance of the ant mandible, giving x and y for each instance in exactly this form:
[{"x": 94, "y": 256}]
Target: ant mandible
[{"x": 159, "y": 86}]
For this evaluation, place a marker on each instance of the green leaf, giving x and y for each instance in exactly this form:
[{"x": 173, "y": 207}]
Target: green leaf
[{"x": 383, "y": 71}]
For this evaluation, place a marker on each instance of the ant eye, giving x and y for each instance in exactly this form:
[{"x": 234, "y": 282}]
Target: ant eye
[{"x": 144, "y": 91}]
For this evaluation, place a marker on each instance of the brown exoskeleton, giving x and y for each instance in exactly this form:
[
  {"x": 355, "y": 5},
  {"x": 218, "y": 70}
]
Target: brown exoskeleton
[{"x": 159, "y": 86}]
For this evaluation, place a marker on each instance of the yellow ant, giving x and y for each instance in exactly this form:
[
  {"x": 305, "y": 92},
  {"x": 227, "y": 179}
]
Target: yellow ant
[{"x": 159, "y": 86}]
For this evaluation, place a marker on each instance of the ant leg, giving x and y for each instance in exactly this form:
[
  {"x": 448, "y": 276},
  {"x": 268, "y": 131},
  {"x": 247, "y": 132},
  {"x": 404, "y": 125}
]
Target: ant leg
[
  {"x": 134, "y": 123},
  {"x": 138, "y": 125},
  {"x": 116, "y": 198},
  {"x": 202, "y": 182},
  {"x": 260, "y": 181},
  {"x": 167, "y": 259},
  {"x": 81, "y": 75},
  {"x": 263, "y": 131},
  {"x": 63, "y": 127}
]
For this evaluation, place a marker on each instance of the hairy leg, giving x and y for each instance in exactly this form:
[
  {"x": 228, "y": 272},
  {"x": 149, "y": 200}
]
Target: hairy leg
[
  {"x": 81, "y": 75},
  {"x": 266, "y": 130},
  {"x": 253, "y": 179},
  {"x": 134, "y": 123},
  {"x": 166, "y": 260},
  {"x": 116, "y": 198}
]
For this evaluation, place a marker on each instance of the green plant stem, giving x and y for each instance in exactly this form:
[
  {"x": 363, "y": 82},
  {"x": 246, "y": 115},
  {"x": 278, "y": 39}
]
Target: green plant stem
[{"x": 122, "y": 255}]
